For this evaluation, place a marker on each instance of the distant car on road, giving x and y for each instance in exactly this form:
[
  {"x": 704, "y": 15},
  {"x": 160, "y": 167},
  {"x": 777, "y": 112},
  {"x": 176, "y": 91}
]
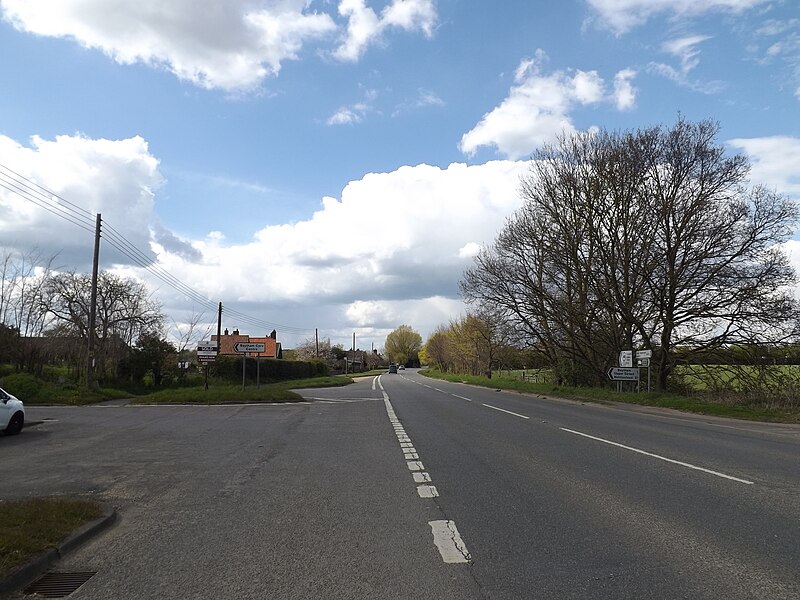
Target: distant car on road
[
  {"x": 392, "y": 368},
  {"x": 401, "y": 368},
  {"x": 12, "y": 413}
]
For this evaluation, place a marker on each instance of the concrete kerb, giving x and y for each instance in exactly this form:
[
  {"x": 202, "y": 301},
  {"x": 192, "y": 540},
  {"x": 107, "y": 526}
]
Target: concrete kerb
[{"x": 29, "y": 571}]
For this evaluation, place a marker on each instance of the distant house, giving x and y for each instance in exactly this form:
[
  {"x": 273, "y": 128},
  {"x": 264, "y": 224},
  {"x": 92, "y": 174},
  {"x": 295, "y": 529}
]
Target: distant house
[{"x": 272, "y": 347}]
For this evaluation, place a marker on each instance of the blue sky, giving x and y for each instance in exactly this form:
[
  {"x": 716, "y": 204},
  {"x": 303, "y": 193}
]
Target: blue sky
[{"x": 336, "y": 164}]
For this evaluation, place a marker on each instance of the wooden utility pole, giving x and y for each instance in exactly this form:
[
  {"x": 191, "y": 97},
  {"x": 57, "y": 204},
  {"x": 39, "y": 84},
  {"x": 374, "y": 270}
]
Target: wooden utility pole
[
  {"x": 316, "y": 340},
  {"x": 91, "y": 384}
]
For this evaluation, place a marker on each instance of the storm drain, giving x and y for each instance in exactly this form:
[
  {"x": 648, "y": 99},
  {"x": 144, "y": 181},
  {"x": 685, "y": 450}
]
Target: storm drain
[{"x": 58, "y": 585}]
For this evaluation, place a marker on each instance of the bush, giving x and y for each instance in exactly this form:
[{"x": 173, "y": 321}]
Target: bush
[
  {"x": 229, "y": 368},
  {"x": 23, "y": 385}
]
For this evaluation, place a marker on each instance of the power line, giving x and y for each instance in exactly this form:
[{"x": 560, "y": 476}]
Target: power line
[{"x": 44, "y": 198}]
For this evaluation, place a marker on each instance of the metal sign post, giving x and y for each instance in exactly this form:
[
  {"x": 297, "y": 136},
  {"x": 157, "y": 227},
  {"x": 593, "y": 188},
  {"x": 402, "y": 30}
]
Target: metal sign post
[
  {"x": 643, "y": 360},
  {"x": 244, "y": 348},
  {"x": 207, "y": 354}
]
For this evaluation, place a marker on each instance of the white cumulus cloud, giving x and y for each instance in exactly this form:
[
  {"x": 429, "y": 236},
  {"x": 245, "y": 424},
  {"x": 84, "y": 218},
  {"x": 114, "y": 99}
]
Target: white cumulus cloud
[
  {"x": 230, "y": 45},
  {"x": 117, "y": 178},
  {"x": 774, "y": 161},
  {"x": 538, "y": 106},
  {"x": 365, "y": 26}
]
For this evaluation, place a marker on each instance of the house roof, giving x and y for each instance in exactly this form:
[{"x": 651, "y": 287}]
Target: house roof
[{"x": 271, "y": 346}]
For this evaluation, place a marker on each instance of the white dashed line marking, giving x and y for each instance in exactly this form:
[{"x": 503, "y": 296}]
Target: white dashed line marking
[
  {"x": 449, "y": 542},
  {"x": 427, "y": 491}
]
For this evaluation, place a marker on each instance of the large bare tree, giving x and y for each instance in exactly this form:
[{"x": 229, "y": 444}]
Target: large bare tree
[
  {"x": 125, "y": 311},
  {"x": 649, "y": 239}
]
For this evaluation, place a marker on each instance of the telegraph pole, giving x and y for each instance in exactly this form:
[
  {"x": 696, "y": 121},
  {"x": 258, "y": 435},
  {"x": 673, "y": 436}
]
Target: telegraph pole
[{"x": 91, "y": 384}]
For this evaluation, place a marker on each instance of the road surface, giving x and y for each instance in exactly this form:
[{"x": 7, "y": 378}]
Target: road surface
[{"x": 407, "y": 487}]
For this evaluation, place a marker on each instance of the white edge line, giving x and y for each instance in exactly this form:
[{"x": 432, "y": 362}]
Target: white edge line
[
  {"x": 669, "y": 460},
  {"x": 506, "y": 411},
  {"x": 462, "y": 397}
]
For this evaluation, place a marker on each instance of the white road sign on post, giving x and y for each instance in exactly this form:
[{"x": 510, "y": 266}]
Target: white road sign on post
[
  {"x": 626, "y": 358},
  {"x": 245, "y": 347},
  {"x": 623, "y": 374},
  {"x": 206, "y": 352}
]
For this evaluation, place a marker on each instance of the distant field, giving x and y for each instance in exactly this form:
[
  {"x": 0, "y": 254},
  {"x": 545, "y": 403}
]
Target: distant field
[{"x": 738, "y": 378}]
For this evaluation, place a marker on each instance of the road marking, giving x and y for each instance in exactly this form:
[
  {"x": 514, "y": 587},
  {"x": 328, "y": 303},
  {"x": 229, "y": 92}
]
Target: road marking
[
  {"x": 449, "y": 542},
  {"x": 415, "y": 465},
  {"x": 427, "y": 491},
  {"x": 462, "y": 397},
  {"x": 669, "y": 460},
  {"x": 506, "y": 411},
  {"x": 410, "y": 455},
  {"x": 421, "y": 477},
  {"x": 373, "y": 383}
]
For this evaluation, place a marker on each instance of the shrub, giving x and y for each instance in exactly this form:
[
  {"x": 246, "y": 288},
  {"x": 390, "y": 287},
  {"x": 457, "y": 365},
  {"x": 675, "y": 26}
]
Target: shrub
[
  {"x": 229, "y": 368},
  {"x": 23, "y": 385}
]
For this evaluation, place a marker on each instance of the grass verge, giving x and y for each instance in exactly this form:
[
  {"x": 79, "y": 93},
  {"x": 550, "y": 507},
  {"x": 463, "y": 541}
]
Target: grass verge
[
  {"x": 30, "y": 527},
  {"x": 234, "y": 394},
  {"x": 602, "y": 395}
]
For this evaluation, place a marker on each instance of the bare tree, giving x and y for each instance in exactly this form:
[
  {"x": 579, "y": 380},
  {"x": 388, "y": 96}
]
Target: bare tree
[
  {"x": 125, "y": 311},
  {"x": 191, "y": 332},
  {"x": 648, "y": 238}
]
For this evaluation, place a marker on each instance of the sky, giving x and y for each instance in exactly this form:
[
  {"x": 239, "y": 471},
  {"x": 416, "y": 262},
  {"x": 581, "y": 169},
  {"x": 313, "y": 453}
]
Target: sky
[{"x": 335, "y": 165}]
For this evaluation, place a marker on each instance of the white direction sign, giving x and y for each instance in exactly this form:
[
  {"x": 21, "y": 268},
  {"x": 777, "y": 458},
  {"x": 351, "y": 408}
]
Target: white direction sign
[
  {"x": 644, "y": 354},
  {"x": 626, "y": 358},
  {"x": 623, "y": 374},
  {"x": 249, "y": 347}
]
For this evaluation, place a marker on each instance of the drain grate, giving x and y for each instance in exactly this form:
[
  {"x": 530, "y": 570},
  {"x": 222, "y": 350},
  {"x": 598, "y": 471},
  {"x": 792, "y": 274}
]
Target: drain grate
[{"x": 58, "y": 585}]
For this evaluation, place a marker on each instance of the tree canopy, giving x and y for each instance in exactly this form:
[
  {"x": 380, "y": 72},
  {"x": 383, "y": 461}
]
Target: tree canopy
[
  {"x": 643, "y": 239},
  {"x": 403, "y": 345}
]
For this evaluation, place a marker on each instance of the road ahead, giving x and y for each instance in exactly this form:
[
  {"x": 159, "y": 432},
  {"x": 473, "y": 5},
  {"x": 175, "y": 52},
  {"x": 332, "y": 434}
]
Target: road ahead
[{"x": 406, "y": 487}]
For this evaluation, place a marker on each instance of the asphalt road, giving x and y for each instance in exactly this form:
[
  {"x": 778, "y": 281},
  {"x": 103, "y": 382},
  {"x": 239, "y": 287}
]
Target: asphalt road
[{"x": 405, "y": 487}]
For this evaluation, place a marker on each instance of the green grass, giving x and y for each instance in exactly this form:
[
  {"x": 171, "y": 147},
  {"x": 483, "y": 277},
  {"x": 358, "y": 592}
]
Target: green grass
[
  {"x": 234, "y": 394},
  {"x": 604, "y": 395},
  {"x": 36, "y": 391},
  {"x": 30, "y": 527},
  {"x": 372, "y": 373}
]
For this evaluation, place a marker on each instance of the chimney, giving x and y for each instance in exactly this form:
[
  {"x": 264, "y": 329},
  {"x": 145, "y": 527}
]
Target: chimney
[{"x": 226, "y": 331}]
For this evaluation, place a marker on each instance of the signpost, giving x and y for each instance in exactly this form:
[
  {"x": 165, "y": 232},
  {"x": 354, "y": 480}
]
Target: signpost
[
  {"x": 244, "y": 348},
  {"x": 626, "y": 358},
  {"x": 206, "y": 355},
  {"x": 643, "y": 360}
]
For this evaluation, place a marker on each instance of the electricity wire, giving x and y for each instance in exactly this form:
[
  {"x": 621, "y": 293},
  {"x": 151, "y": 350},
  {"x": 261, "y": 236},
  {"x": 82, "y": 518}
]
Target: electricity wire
[{"x": 56, "y": 205}]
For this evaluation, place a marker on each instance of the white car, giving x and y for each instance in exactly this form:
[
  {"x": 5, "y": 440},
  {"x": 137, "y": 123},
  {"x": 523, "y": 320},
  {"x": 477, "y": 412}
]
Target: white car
[{"x": 12, "y": 413}]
